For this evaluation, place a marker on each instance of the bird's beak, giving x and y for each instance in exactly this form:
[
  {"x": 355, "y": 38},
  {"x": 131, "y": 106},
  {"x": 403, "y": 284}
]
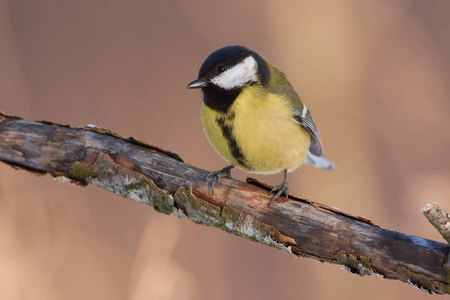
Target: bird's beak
[{"x": 196, "y": 84}]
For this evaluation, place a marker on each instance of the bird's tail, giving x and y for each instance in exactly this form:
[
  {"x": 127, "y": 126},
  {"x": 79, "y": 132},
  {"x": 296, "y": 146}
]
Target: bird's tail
[{"x": 321, "y": 162}]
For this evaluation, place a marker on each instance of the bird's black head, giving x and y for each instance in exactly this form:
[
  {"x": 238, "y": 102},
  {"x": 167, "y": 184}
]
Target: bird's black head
[
  {"x": 226, "y": 71},
  {"x": 231, "y": 67}
]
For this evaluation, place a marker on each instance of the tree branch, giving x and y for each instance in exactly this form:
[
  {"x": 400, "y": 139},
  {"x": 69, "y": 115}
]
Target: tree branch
[{"x": 159, "y": 178}]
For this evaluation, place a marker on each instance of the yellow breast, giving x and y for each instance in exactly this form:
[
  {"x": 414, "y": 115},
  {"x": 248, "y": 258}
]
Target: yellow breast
[{"x": 262, "y": 128}]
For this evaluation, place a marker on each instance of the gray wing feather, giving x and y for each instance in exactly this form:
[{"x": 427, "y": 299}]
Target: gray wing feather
[
  {"x": 314, "y": 157},
  {"x": 305, "y": 119}
]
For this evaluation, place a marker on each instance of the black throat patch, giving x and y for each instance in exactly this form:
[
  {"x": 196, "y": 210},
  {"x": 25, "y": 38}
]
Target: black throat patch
[{"x": 219, "y": 99}]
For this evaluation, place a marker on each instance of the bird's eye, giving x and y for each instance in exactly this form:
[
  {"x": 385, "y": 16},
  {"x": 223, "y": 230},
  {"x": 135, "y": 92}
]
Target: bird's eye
[{"x": 221, "y": 69}]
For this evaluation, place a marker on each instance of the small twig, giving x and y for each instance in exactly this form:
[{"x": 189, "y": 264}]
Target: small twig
[{"x": 439, "y": 218}]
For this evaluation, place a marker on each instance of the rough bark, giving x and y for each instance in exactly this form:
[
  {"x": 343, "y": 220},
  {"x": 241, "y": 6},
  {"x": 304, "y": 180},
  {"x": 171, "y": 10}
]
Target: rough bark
[{"x": 159, "y": 178}]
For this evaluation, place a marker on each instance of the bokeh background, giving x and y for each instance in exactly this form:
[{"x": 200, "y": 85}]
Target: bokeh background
[{"x": 375, "y": 74}]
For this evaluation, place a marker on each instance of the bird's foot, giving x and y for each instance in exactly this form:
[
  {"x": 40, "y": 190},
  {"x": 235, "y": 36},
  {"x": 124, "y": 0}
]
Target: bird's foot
[
  {"x": 215, "y": 176},
  {"x": 279, "y": 190}
]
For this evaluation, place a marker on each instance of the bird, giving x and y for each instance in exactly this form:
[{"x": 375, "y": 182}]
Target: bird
[{"x": 254, "y": 119}]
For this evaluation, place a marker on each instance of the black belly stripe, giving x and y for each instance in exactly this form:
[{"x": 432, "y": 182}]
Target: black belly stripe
[{"x": 228, "y": 135}]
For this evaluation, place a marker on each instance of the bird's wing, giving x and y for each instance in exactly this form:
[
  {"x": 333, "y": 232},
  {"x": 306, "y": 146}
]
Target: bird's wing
[
  {"x": 278, "y": 84},
  {"x": 306, "y": 121},
  {"x": 314, "y": 157}
]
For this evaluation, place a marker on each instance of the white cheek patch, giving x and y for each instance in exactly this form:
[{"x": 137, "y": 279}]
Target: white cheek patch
[{"x": 238, "y": 75}]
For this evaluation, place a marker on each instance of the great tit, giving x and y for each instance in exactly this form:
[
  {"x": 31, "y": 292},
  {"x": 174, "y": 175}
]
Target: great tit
[{"x": 254, "y": 119}]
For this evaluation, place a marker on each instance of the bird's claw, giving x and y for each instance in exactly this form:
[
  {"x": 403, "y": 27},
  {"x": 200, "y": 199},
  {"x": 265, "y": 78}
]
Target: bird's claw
[
  {"x": 280, "y": 189},
  {"x": 211, "y": 178},
  {"x": 215, "y": 176}
]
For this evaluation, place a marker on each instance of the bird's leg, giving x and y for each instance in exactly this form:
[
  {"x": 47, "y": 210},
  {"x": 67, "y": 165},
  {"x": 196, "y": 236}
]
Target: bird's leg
[
  {"x": 280, "y": 189},
  {"x": 215, "y": 176}
]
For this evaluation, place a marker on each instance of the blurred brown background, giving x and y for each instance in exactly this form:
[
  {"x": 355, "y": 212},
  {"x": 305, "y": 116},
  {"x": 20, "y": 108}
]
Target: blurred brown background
[{"x": 374, "y": 73}]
